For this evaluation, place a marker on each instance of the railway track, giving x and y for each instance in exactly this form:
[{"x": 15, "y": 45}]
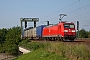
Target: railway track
[{"x": 77, "y": 40}]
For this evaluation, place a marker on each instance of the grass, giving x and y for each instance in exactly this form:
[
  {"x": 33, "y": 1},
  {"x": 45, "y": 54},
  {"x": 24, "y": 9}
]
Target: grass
[
  {"x": 41, "y": 54},
  {"x": 73, "y": 52},
  {"x": 55, "y": 51}
]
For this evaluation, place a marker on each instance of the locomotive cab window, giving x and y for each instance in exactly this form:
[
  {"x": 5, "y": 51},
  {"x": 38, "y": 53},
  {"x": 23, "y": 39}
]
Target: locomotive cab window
[
  {"x": 71, "y": 26},
  {"x": 68, "y": 26}
]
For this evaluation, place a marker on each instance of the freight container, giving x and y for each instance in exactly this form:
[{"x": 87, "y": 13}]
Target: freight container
[
  {"x": 34, "y": 32},
  {"x": 39, "y": 30},
  {"x": 27, "y": 32}
]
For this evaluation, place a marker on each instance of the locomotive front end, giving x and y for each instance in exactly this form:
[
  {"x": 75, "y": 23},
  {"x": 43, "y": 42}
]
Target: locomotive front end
[{"x": 69, "y": 31}]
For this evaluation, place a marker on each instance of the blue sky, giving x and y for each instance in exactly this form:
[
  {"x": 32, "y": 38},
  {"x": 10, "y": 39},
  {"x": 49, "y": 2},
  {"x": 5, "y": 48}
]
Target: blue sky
[{"x": 12, "y": 10}]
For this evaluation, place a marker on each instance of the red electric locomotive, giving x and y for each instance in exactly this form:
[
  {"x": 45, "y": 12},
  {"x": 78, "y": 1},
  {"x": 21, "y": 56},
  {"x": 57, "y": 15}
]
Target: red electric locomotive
[{"x": 61, "y": 31}]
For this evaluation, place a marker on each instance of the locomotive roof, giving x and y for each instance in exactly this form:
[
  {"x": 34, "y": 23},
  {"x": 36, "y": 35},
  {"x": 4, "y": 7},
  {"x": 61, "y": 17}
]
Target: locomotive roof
[
  {"x": 63, "y": 22},
  {"x": 66, "y": 22}
]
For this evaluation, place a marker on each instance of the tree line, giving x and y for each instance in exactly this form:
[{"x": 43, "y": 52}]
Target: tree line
[
  {"x": 83, "y": 33},
  {"x": 9, "y": 40}
]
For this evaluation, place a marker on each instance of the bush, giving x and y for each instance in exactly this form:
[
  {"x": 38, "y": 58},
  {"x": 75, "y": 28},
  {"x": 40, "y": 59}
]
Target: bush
[
  {"x": 32, "y": 45},
  {"x": 2, "y": 50}
]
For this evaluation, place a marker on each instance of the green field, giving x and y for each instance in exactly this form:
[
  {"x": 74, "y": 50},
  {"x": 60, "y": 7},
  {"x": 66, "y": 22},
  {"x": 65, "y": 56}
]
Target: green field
[
  {"x": 41, "y": 54},
  {"x": 54, "y": 51}
]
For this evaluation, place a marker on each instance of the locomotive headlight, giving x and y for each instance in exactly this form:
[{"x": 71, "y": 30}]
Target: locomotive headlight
[
  {"x": 65, "y": 30},
  {"x": 73, "y": 30}
]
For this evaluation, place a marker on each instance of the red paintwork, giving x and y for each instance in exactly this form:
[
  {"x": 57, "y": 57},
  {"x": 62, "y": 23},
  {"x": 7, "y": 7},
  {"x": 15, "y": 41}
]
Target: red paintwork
[{"x": 58, "y": 30}]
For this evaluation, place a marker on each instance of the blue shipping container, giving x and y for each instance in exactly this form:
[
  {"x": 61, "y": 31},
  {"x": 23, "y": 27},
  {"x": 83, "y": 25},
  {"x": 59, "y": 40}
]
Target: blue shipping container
[{"x": 39, "y": 30}]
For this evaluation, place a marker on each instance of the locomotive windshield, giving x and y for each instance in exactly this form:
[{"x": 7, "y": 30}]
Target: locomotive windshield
[{"x": 68, "y": 26}]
